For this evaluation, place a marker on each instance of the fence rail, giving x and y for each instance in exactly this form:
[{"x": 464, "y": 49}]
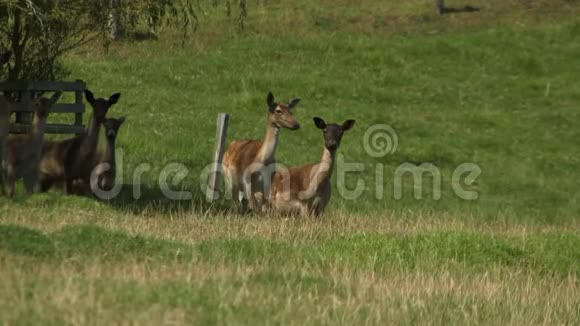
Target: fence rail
[{"x": 25, "y": 91}]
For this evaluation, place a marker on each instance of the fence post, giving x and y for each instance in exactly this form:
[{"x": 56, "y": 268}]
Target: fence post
[
  {"x": 79, "y": 101},
  {"x": 440, "y": 6},
  {"x": 213, "y": 178}
]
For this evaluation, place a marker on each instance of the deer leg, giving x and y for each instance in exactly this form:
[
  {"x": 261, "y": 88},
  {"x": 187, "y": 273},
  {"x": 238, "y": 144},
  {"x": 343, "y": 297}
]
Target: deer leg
[
  {"x": 2, "y": 180},
  {"x": 235, "y": 193},
  {"x": 68, "y": 185},
  {"x": 243, "y": 197},
  {"x": 45, "y": 183},
  {"x": 10, "y": 180},
  {"x": 305, "y": 211},
  {"x": 2, "y": 186},
  {"x": 30, "y": 183},
  {"x": 248, "y": 197}
]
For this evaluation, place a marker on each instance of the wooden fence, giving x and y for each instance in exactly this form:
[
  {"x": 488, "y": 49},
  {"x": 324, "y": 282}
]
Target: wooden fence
[{"x": 24, "y": 91}]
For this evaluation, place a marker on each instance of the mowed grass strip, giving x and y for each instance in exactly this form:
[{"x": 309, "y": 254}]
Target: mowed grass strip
[
  {"x": 86, "y": 273},
  {"x": 547, "y": 253}
]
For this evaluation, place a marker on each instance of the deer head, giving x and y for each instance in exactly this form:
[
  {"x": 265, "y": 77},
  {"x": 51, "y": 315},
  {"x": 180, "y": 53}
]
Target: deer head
[
  {"x": 280, "y": 114},
  {"x": 112, "y": 127},
  {"x": 101, "y": 106},
  {"x": 332, "y": 132},
  {"x": 42, "y": 106}
]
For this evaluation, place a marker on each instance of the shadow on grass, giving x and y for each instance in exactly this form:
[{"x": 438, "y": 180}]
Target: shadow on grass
[
  {"x": 93, "y": 241},
  {"x": 458, "y": 10},
  {"x": 24, "y": 241},
  {"x": 153, "y": 200},
  {"x": 142, "y": 199}
]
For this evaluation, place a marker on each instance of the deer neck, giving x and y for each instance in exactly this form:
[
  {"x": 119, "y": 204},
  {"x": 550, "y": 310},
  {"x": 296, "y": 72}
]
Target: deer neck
[
  {"x": 92, "y": 137},
  {"x": 268, "y": 150},
  {"x": 326, "y": 165},
  {"x": 109, "y": 155},
  {"x": 38, "y": 127}
]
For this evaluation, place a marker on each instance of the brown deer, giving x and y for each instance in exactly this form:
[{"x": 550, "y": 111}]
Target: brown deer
[
  {"x": 4, "y": 125},
  {"x": 306, "y": 190},
  {"x": 5, "y": 110},
  {"x": 246, "y": 162},
  {"x": 71, "y": 159},
  {"x": 104, "y": 173},
  {"x": 22, "y": 152}
]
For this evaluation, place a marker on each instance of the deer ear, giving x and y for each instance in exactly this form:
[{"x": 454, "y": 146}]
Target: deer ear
[
  {"x": 114, "y": 98},
  {"x": 89, "y": 96},
  {"x": 293, "y": 102},
  {"x": 270, "y": 101},
  {"x": 347, "y": 125},
  {"x": 319, "y": 122}
]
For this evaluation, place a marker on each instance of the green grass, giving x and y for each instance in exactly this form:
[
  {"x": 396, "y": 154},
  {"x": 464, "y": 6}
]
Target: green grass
[
  {"x": 498, "y": 88},
  {"x": 381, "y": 253},
  {"x": 113, "y": 277}
]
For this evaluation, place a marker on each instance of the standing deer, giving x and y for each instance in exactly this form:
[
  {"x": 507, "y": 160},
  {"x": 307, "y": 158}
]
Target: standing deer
[
  {"x": 5, "y": 110},
  {"x": 22, "y": 152},
  {"x": 248, "y": 161},
  {"x": 306, "y": 189},
  {"x": 104, "y": 173},
  {"x": 4, "y": 125},
  {"x": 71, "y": 159}
]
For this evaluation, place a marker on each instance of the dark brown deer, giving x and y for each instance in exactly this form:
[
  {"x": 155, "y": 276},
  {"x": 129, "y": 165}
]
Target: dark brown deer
[
  {"x": 5, "y": 110},
  {"x": 246, "y": 161},
  {"x": 306, "y": 190},
  {"x": 105, "y": 170},
  {"x": 22, "y": 152},
  {"x": 71, "y": 159}
]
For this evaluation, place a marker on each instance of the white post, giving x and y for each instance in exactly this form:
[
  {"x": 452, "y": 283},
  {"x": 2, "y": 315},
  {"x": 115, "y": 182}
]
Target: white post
[{"x": 213, "y": 179}]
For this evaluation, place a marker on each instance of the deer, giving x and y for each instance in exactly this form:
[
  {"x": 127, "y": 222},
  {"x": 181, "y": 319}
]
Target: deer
[
  {"x": 5, "y": 110},
  {"x": 247, "y": 163},
  {"x": 22, "y": 152},
  {"x": 306, "y": 190},
  {"x": 105, "y": 166},
  {"x": 71, "y": 159}
]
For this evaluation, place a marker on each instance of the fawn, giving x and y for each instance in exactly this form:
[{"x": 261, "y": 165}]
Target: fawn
[
  {"x": 306, "y": 189},
  {"x": 71, "y": 159},
  {"x": 104, "y": 173},
  {"x": 22, "y": 152},
  {"x": 4, "y": 121},
  {"x": 247, "y": 162}
]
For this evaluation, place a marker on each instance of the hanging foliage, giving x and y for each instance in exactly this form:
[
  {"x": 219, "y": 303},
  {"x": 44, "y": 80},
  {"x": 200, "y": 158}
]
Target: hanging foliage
[
  {"x": 183, "y": 15},
  {"x": 39, "y": 32}
]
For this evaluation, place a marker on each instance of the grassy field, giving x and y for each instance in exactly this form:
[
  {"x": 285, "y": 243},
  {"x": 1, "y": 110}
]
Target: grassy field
[{"x": 498, "y": 89}]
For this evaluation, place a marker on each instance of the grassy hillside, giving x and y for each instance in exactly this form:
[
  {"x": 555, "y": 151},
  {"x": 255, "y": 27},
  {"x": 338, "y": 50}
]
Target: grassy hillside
[
  {"x": 498, "y": 89},
  {"x": 503, "y": 97}
]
